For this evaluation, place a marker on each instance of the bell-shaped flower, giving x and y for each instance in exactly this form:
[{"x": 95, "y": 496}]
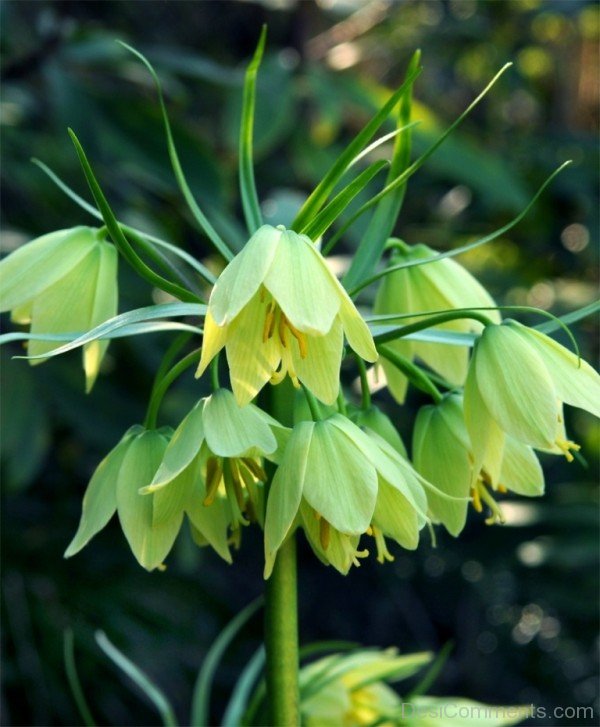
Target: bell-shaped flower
[
  {"x": 377, "y": 421},
  {"x": 150, "y": 522},
  {"x": 339, "y": 482},
  {"x": 352, "y": 689},
  {"x": 63, "y": 282},
  {"x": 442, "y": 454},
  {"x": 437, "y": 286},
  {"x": 517, "y": 383},
  {"x": 227, "y": 442},
  {"x": 278, "y": 310}
]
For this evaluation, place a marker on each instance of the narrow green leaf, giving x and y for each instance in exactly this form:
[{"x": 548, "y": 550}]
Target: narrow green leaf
[
  {"x": 73, "y": 679},
  {"x": 382, "y": 223},
  {"x": 137, "y": 676},
  {"x": 117, "y": 233},
  {"x": 151, "y": 312},
  {"x": 382, "y": 139},
  {"x": 234, "y": 712},
  {"x": 402, "y": 178},
  {"x": 90, "y": 209},
  {"x": 464, "y": 248},
  {"x": 433, "y": 672},
  {"x": 248, "y": 192},
  {"x": 569, "y": 318},
  {"x": 320, "y": 647},
  {"x": 319, "y": 195},
  {"x": 329, "y": 214},
  {"x": 201, "y": 699},
  {"x": 199, "y": 216}
]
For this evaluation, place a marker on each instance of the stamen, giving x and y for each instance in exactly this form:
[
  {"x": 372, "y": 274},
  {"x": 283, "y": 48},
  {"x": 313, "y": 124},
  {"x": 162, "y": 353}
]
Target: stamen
[
  {"x": 269, "y": 326},
  {"x": 497, "y": 515},
  {"x": 278, "y": 376},
  {"x": 214, "y": 473},
  {"x": 565, "y": 445},
  {"x": 324, "y": 533},
  {"x": 502, "y": 489},
  {"x": 255, "y": 468},
  {"x": 237, "y": 484},
  {"x": 476, "y": 499},
  {"x": 383, "y": 553},
  {"x": 282, "y": 327},
  {"x": 300, "y": 337}
]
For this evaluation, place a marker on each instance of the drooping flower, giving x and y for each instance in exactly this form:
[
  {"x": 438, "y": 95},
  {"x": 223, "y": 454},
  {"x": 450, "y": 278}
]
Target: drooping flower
[
  {"x": 377, "y": 421},
  {"x": 338, "y": 483},
  {"x": 278, "y": 310},
  {"x": 517, "y": 383},
  {"x": 442, "y": 454},
  {"x": 437, "y": 286},
  {"x": 63, "y": 282},
  {"x": 150, "y": 522},
  {"x": 352, "y": 689},
  {"x": 228, "y": 442}
]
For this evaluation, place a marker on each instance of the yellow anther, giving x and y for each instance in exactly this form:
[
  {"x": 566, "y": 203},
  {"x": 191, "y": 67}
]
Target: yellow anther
[
  {"x": 278, "y": 376},
  {"x": 282, "y": 327},
  {"x": 476, "y": 498},
  {"x": 497, "y": 516},
  {"x": 502, "y": 489},
  {"x": 383, "y": 553},
  {"x": 237, "y": 483},
  {"x": 324, "y": 533},
  {"x": 269, "y": 326},
  {"x": 565, "y": 445},
  {"x": 300, "y": 337},
  {"x": 255, "y": 468},
  {"x": 214, "y": 473}
]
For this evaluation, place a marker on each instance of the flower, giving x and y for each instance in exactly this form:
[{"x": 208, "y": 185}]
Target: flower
[
  {"x": 517, "y": 383},
  {"x": 437, "y": 286},
  {"x": 279, "y": 310},
  {"x": 374, "y": 419},
  {"x": 63, "y": 282},
  {"x": 352, "y": 690},
  {"x": 442, "y": 454},
  {"x": 228, "y": 441},
  {"x": 150, "y": 523},
  {"x": 339, "y": 482}
]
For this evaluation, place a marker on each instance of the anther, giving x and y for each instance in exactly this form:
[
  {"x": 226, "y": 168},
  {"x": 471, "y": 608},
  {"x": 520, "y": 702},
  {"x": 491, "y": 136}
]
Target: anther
[
  {"x": 476, "y": 498},
  {"x": 324, "y": 533}
]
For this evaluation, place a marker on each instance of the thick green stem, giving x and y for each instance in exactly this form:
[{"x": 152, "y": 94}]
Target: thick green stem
[{"x": 281, "y": 639}]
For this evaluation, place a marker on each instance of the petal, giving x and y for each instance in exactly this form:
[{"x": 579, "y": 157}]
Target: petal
[
  {"x": 212, "y": 523},
  {"x": 396, "y": 517},
  {"x": 233, "y": 431},
  {"x": 185, "y": 444},
  {"x": 213, "y": 340},
  {"x": 441, "y": 456},
  {"x": 487, "y": 439},
  {"x": 320, "y": 370},
  {"x": 521, "y": 471},
  {"x": 104, "y": 306},
  {"x": 172, "y": 500},
  {"x": 33, "y": 267},
  {"x": 576, "y": 382},
  {"x": 302, "y": 285},
  {"x": 397, "y": 382},
  {"x": 375, "y": 420},
  {"x": 341, "y": 549},
  {"x": 339, "y": 484},
  {"x": 251, "y": 361},
  {"x": 516, "y": 387},
  {"x": 285, "y": 492},
  {"x": 66, "y": 306},
  {"x": 150, "y": 543},
  {"x": 357, "y": 331},
  {"x": 240, "y": 280},
  {"x": 100, "y": 499}
]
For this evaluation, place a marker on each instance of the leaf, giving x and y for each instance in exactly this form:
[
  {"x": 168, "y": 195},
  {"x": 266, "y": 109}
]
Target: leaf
[
  {"x": 234, "y": 712},
  {"x": 338, "y": 204},
  {"x": 138, "y": 315},
  {"x": 117, "y": 234},
  {"x": 73, "y": 679},
  {"x": 200, "y": 716},
  {"x": 319, "y": 195},
  {"x": 137, "y": 676},
  {"x": 199, "y": 216},
  {"x": 568, "y": 318},
  {"x": 464, "y": 248},
  {"x": 382, "y": 223},
  {"x": 189, "y": 259},
  {"x": 248, "y": 192}
]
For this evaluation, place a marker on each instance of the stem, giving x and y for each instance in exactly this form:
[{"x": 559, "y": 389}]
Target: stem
[
  {"x": 161, "y": 388},
  {"x": 312, "y": 405},
  {"x": 281, "y": 638},
  {"x": 364, "y": 383},
  {"x": 214, "y": 373},
  {"x": 418, "y": 378},
  {"x": 435, "y": 320}
]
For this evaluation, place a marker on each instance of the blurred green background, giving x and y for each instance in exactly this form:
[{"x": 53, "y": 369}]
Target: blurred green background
[{"x": 519, "y": 602}]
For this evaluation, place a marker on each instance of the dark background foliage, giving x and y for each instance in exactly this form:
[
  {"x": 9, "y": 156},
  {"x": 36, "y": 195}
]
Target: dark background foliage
[{"x": 518, "y": 602}]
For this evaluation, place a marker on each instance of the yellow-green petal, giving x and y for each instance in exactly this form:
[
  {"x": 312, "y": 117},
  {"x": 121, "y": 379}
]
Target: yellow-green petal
[
  {"x": 521, "y": 471},
  {"x": 396, "y": 517},
  {"x": 357, "y": 331},
  {"x": 516, "y": 387},
  {"x": 341, "y": 549},
  {"x": 233, "y": 431},
  {"x": 213, "y": 339},
  {"x": 320, "y": 370},
  {"x": 212, "y": 523}
]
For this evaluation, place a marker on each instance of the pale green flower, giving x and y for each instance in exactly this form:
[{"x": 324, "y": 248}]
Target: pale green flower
[
  {"x": 150, "y": 522},
  {"x": 517, "y": 383},
  {"x": 278, "y": 310},
  {"x": 374, "y": 419},
  {"x": 63, "y": 282},
  {"x": 442, "y": 453},
  {"x": 352, "y": 690},
  {"x": 339, "y": 482},
  {"x": 230, "y": 442},
  {"x": 438, "y": 286}
]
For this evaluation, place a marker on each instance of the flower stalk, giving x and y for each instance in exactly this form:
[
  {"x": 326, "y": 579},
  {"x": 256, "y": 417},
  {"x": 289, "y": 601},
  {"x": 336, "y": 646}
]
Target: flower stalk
[{"x": 281, "y": 638}]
